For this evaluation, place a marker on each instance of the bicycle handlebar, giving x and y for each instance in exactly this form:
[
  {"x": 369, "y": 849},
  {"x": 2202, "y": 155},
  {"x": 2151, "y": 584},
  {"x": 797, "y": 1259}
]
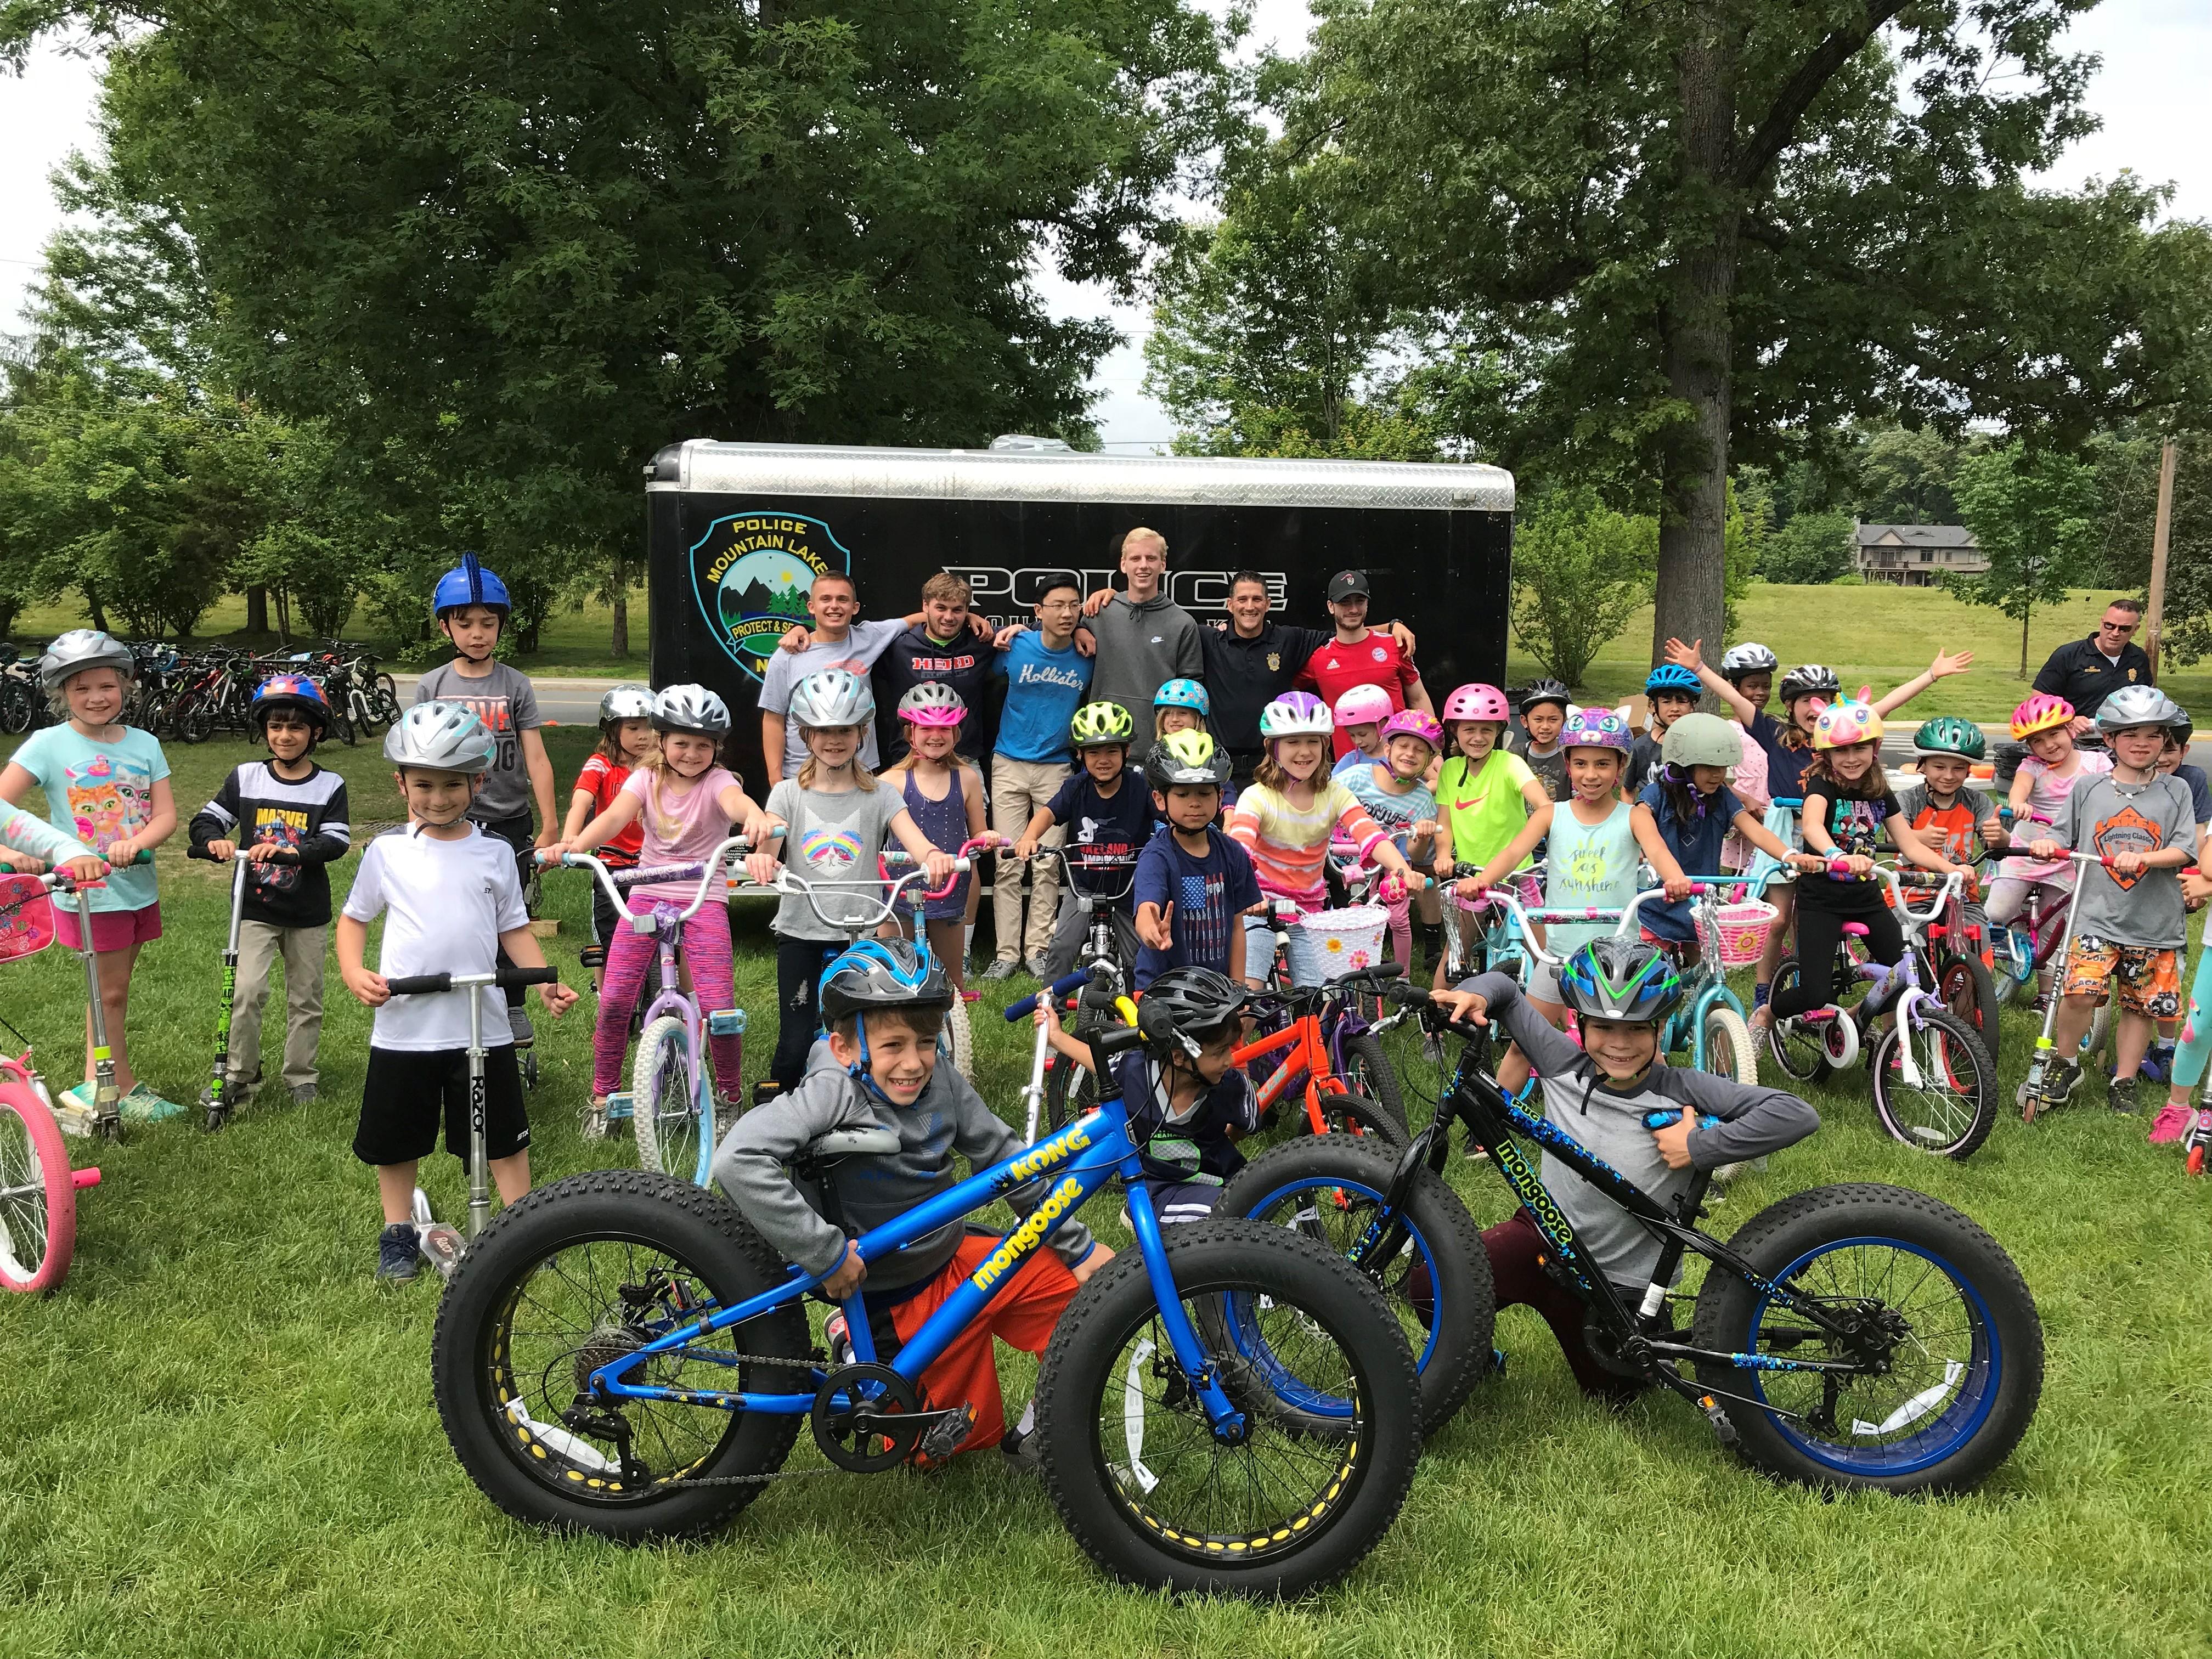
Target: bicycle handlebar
[
  {"x": 506, "y": 978},
  {"x": 615, "y": 881},
  {"x": 788, "y": 880},
  {"x": 1065, "y": 985}
]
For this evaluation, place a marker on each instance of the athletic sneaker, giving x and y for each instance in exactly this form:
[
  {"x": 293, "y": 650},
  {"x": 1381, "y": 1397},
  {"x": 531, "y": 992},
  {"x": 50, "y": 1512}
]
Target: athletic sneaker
[
  {"x": 142, "y": 1105},
  {"x": 1039, "y": 965},
  {"x": 77, "y": 1095},
  {"x": 1024, "y": 1449},
  {"x": 2060, "y": 1082},
  {"x": 2170, "y": 1125},
  {"x": 2120, "y": 1094},
  {"x": 1004, "y": 968},
  {"x": 396, "y": 1255},
  {"x": 303, "y": 1094}
]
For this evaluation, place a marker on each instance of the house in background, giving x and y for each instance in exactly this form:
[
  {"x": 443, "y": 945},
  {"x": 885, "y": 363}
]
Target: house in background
[{"x": 1914, "y": 555}]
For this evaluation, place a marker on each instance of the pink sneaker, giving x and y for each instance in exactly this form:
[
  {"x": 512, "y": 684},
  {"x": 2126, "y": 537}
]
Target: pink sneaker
[{"x": 2170, "y": 1125}]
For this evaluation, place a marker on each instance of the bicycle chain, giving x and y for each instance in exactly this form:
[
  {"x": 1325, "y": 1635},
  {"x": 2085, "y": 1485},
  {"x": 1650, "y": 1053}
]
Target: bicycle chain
[{"x": 777, "y": 1475}]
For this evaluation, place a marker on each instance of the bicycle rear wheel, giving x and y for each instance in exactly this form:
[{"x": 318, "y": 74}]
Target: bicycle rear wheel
[
  {"x": 1966, "y": 987},
  {"x": 38, "y": 1196},
  {"x": 960, "y": 1035},
  {"x": 1071, "y": 1091},
  {"x": 1731, "y": 1051},
  {"x": 664, "y": 1107},
  {"x": 1798, "y": 1050}
]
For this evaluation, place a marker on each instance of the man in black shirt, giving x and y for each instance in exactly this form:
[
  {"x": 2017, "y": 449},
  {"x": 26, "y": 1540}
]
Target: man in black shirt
[
  {"x": 1252, "y": 662},
  {"x": 2087, "y": 671}
]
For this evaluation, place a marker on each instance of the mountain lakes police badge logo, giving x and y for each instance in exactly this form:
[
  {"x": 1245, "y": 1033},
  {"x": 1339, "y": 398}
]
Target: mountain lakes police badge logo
[
  {"x": 1275, "y": 662},
  {"x": 751, "y": 572}
]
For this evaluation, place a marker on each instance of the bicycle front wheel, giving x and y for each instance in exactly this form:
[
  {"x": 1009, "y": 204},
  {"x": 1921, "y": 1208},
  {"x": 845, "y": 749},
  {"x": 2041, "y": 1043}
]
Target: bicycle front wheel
[
  {"x": 1954, "y": 1106},
  {"x": 960, "y": 1036},
  {"x": 1965, "y": 986},
  {"x": 38, "y": 1196},
  {"x": 664, "y": 1102},
  {"x": 1314, "y": 1363},
  {"x": 1367, "y": 1073},
  {"x": 1731, "y": 1051},
  {"x": 1354, "y": 1116},
  {"x": 1071, "y": 1091}
]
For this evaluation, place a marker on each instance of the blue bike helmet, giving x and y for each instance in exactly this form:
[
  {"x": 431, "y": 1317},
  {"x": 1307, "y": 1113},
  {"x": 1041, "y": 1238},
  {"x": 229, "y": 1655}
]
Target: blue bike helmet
[
  {"x": 1616, "y": 978},
  {"x": 469, "y": 583},
  {"x": 1183, "y": 693},
  {"x": 294, "y": 694},
  {"x": 1670, "y": 676}
]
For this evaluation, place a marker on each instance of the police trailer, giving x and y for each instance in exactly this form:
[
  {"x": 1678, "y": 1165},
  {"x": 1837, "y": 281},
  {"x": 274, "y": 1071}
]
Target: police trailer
[{"x": 738, "y": 532}]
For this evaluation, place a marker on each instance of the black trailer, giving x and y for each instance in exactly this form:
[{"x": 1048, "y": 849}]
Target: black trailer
[{"x": 738, "y": 532}]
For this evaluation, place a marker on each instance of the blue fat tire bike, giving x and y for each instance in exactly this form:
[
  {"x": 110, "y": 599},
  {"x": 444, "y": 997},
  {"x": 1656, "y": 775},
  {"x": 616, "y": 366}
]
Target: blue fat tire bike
[{"x": 1225, "y": 1408}]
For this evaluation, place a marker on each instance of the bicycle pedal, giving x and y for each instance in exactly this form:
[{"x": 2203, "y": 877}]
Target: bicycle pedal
[
  {"x": 619, "y": 1106},
  {"x": 1724, "y": 1431},
  {"x": 726, "y": 1021},
  {"x": 944, "y": 1437}
]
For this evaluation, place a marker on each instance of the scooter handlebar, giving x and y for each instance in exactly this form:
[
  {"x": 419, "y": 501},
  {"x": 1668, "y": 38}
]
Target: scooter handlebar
[
  {"x": 282, "y": 855},
  {"x": 504, "y": 978}
]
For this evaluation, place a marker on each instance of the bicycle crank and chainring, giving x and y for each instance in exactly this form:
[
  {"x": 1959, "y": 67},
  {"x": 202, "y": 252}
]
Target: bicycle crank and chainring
[{"x": 879, "y": 1426}]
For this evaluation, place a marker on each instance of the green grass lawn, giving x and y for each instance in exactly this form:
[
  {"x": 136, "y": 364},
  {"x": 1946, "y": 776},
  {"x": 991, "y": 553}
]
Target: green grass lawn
[
  {"x": 220, "y": 1438},
  {"x": 1878, "y": 635}
]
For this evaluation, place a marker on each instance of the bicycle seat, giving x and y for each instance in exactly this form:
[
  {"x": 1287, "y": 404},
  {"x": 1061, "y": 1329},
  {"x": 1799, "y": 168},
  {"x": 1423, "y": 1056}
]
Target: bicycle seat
[
  {"x": 853, "y": 1143},
  {"x": 1855, "y": 930}
]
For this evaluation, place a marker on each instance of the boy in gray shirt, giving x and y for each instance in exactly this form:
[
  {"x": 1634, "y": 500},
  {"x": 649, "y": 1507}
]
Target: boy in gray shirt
[
  {"x": 878, "y": 1070},
  {"x": 2129, "y": 925}
]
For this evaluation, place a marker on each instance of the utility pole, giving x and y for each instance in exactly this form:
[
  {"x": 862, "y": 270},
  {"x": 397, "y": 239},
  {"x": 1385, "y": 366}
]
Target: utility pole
[{"x": 2161, "y": 532}]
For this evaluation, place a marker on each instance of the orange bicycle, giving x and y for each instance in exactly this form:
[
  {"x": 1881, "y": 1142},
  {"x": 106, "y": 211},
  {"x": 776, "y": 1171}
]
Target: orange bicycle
[{"x": 1311, "y": 1023}]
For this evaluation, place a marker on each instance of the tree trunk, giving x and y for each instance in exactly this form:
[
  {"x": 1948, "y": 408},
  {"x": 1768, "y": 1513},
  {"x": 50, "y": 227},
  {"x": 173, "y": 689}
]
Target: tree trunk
[
  {"x": 619, "y": 642},
  {"x": 99, "y": 610},
  {"x": 2026, "y": 611},
  {"x": 284, "y": 617},
  {"x": 257, "y": 608},
  {"x": 1691, "y": 600}
]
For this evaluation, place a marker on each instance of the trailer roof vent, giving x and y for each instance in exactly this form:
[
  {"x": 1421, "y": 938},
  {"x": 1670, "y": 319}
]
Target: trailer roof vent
[{"x": 1021, "y": 443}]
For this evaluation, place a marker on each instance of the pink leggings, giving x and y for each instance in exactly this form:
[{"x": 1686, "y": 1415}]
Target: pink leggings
[{"x": 633, "y": 957}]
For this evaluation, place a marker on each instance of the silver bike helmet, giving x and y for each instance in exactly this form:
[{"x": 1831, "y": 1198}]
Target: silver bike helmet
[
  {"x": 691, "y": 708},
  {"x": 2139, "y": 705},
  {"x": 1741, "y": 661},
  {"x": 836, "y": 696},
  {"x": 81, "y": 648},
  {"x": 1702, "y": 740},
  {"x": 627, "y": 702},
  {"x": 443, "y": 737}
]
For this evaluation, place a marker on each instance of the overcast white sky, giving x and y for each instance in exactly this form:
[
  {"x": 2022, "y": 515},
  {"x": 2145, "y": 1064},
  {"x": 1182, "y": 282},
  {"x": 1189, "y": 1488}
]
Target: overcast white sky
[{"x": 2150, "y": 93}]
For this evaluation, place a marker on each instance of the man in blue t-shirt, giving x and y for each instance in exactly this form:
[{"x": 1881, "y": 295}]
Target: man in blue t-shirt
[
  {"x": 1045, "y": 678},
  {"x": 1193, "y": 882}
]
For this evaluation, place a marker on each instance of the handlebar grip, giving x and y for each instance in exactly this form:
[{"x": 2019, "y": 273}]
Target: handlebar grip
[
  {"x": 199, "y": 852},
  {"x": 411, "y": 985},
  {"x": 1668, "y": 1120},
  {"x": 1064, "y": 986},
  {"x": 510, "y": 977}
]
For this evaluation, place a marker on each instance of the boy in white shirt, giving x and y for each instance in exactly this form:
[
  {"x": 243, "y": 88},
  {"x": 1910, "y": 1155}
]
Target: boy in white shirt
[{"x": 451, "y": 900}]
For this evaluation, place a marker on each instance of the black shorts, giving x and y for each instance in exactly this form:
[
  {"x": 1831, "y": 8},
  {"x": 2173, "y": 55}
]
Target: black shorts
[
  {"x": 604, "y": 917},
  {"x": 407, "y": 1091}
]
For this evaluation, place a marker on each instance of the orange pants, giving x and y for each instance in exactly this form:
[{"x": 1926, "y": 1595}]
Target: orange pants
[{"x": 1022, "y": 1316}]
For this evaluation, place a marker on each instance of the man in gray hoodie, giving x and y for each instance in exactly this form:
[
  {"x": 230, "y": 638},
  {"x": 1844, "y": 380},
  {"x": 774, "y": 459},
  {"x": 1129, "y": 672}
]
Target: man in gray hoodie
[
  {"x": 878, "y": 1070},
  {"x": 1144, "y": 638}
]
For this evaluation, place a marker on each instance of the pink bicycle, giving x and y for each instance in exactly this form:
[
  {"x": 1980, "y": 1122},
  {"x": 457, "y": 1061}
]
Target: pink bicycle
[{"x": 38, "y": 1188}]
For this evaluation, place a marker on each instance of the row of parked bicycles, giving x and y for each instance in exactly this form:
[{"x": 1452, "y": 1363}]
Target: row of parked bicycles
[{"x": 189, "y": 697}]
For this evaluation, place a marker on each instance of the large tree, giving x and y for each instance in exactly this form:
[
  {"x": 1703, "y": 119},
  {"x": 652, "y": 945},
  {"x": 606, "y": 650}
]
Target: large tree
[
  {"x": 512, "y": 249},
  {"x": 1653, "y": 235}
]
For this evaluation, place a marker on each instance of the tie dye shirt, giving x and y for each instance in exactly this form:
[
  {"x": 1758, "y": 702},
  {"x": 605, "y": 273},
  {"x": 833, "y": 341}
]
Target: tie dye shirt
[
  {"x": 830, "y": 838},
  {"x": 1288, "y": 844},
  {"x": 99, "y": 793}
]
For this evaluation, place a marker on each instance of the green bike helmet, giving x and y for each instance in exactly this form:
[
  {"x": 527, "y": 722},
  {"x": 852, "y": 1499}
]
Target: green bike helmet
[
  {"x": 1947, "y": 734},
  {"x": 1616, "y": 978},
  {"x": 1096, "y": 725},
  {"x": 1187, "y": 758},
  {"x": 1702, "y": 740}
]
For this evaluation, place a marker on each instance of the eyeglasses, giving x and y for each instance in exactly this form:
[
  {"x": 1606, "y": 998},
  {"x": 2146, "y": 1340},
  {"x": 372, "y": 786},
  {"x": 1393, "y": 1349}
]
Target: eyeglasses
[
  {"x": 1059, "y": 604},
  {"x": 2117, "y": 628}
]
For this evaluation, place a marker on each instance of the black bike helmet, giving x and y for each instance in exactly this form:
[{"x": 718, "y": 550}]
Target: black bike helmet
[
  {"x": 1616, "y": 978},
  {"x": 1810, "y": 680},
  {"x": 1188, "y": 757},
  {"x": 1185, "y": 1006},
  {"x": 1544, "y": 691}
]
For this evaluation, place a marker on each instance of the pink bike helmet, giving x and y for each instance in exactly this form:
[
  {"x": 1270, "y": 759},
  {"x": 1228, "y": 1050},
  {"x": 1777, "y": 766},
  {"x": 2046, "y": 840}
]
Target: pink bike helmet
[
  {"x": 932, "y": 703},
  {"x": 2041, "y": 712},
  {"x": 1365, "y": 705},
  {"x": 1413, "y": 723},
  {"x": 1597, "y": 729},
  {"x": 1477, "y": 702}
]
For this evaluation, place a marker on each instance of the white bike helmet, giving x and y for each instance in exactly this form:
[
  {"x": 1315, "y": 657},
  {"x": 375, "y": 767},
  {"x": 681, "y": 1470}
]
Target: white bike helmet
[
  {"x": 1741, "y": 661},
  {"x": 627, "y": 702},
  {"x": 836, "y": 696},
  {"x": 81, "y": 648},
  {"x": 932, "y": 703},
  {"x": 691, "y": 708},
  {"x": 1296, "y": 714},
  {"x": 2139, "y": 705},
  {"x": 441, "y": 736}
]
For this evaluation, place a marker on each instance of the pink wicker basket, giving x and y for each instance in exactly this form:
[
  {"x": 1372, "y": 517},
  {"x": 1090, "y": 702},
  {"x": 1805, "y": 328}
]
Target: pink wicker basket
[{"x": 1743, "y": 927}]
